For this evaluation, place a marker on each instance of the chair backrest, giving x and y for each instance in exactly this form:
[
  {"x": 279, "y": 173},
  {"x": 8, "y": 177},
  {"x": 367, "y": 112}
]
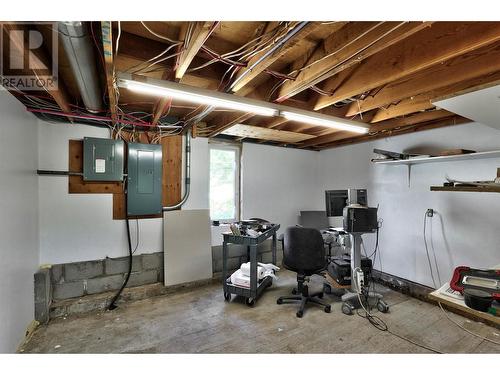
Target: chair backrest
[{"x": 303, "y": 250}]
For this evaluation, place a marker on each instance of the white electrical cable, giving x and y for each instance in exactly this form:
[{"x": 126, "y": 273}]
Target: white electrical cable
[{"x": 465, "y": 329}]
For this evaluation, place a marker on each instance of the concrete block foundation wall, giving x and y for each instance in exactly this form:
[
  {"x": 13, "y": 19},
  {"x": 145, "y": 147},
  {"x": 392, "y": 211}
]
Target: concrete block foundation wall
[{"x": 77, "y": 279}]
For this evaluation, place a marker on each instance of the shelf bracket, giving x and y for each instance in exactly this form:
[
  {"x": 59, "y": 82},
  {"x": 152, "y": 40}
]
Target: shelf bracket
[{"x": 409, "y": 175}]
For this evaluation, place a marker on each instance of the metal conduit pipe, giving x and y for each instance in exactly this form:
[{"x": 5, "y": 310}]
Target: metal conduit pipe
[{"x": 187, "y": 177}]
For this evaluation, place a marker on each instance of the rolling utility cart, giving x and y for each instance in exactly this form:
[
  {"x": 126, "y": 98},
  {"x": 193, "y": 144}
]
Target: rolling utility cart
[{"x": 256, "y": 288}]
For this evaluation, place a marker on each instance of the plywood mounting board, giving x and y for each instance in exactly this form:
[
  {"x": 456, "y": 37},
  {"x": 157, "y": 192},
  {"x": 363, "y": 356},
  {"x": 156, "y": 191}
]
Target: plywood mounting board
[{"x": 249, "y": 131}]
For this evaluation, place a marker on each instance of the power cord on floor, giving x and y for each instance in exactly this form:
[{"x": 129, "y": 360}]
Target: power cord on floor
[
  {"x": 378, "y": 323},
  {"x": 465, "y": 329}
]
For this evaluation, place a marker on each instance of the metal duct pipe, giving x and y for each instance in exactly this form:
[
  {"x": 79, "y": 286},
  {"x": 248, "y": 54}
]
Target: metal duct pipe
[
  {"x": 187, "y": 177},
  {"x": 79, "y": 50}
]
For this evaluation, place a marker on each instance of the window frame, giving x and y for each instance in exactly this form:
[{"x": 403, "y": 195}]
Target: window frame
[{"x": 236, "y": 147}]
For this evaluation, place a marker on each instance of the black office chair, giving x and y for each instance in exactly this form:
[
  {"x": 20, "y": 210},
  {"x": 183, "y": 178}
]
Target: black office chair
[{"x": 304, "y": 253}]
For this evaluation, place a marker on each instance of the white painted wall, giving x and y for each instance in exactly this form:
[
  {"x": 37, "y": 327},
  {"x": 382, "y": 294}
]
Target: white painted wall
[
  {"x": 18, "y": 220},
  {"x": 277, "y": 183},
  {"x": 465, "y": 230}
]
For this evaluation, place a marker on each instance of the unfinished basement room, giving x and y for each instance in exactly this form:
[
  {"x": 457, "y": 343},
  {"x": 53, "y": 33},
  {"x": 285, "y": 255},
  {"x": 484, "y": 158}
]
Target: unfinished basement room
[{"x": 302, "y": 185}]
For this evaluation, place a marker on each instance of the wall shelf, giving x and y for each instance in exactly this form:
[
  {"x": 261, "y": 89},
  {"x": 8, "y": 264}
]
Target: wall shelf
[
  {"x": 476, "y": 189},
  {"x": 435, "y": 159}
]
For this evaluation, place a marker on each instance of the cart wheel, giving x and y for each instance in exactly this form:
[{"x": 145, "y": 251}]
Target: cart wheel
[
  {"x": 327, "y": 289},
  {"x": 294, "y": 291},
  {"x": 300, "y": 314},
  {"x": 227, "y": 296},
  {"x": 347, "y": 308},
  {"x": 382, "y": 306},
  {"x": 279, "y": 301},
  {"x": 250, "y": 302},
  {"x": 328, "y": 309}
]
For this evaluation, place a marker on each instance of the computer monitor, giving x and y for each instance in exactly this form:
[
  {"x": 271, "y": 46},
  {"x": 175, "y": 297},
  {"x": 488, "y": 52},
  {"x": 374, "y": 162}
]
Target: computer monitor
[{"x": 336, "y": 200}]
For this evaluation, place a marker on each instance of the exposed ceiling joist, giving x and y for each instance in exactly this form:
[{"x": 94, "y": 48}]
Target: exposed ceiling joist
[
  {"x": 392, "y": 124},
  {"x": 424, "y": 101},
  {"x": 438, "y": 43},
  {"x": 475, "y": 64},
  {"x": 227, "y": 121},
  {"x": 347, "y": 47},
  {"x": 109, "y": 67},
  {"x": 194, "y": 37},
  {"x": 261, "y": 61}
]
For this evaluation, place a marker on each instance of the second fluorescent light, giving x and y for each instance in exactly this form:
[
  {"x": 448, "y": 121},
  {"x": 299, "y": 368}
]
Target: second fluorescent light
[
  {"x": 328, "y": 121},
  {"x": 193, "y": 95}
]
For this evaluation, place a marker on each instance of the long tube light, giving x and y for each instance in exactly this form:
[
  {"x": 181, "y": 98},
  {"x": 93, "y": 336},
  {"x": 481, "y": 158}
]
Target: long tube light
[
  {"x": 151, "y": 86},
  {"x": 198, "y": 96},
  {"x": 328, "y": 121}
]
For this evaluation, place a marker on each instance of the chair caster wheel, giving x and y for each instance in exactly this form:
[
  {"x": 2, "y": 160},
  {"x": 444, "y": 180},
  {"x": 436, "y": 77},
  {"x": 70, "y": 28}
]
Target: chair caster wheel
[
  {"x": 300, "y": 314},
  {"x": 250, "y": 302},
  {"x": 382, "y": 306},
  {"x": 279, "y": 301},
  {"x": 328, "y": 309},
  {"x": 227, "y": 296},
  {"x": 347, "y": 308},
  {"x": 294, "y": 291},
  {"x": 327, "y": 289}
]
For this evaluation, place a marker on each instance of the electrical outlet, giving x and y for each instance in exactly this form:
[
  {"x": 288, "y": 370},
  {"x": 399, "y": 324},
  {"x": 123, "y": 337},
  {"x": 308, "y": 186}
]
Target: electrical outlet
[{"x": 429, "y": 212}]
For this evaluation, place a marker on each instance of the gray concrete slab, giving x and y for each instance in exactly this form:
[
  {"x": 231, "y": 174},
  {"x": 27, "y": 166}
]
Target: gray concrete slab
[{"x": 200, "y": 321}]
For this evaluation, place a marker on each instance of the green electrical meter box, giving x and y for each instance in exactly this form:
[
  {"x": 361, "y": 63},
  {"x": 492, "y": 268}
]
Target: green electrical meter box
[
  {"x": 102, "y": 159},
  {"x": 144, "y": 179}
]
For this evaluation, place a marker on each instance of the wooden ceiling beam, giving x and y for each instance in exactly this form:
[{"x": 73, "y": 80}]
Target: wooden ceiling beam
[
  {"x": 475, "y": 64},
  {"x": 392, "y": 124},
  {"x": 228, "y": 120},
  {"x": 261, "y": 61},
  {"x": 193, "y": 35},
  {"x": 424, "y": 101},
  {"x": 109, "y": 67},
  {"x": 403, "y": 108},
  {"x": 348, "y": 46},
  {"x": 455, "y": 120},
  {"x": 200, "y": 33},
  {"x": 438, "y": 43}
]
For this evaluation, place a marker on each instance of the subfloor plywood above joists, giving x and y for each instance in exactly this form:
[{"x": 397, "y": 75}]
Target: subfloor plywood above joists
[{"x": 249, "y": 131}]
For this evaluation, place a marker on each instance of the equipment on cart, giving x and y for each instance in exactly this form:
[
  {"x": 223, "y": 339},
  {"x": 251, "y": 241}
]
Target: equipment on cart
[
  {"x": 339, "y": 269},
  {"x": 357, "y": 220}
]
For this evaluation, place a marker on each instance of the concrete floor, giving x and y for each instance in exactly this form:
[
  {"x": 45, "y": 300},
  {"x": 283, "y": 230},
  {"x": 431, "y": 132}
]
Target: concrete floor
[{"x": 200, "y": 321}]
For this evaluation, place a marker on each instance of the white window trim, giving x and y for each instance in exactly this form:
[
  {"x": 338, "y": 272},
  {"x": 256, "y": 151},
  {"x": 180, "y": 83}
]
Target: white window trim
[{"x": 218, "y": 145}]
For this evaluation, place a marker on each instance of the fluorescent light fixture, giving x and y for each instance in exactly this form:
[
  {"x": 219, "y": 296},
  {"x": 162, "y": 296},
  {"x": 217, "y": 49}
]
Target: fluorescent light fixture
[
  {"x": 324, "y": 120},
  {"x": 196, "y": 95}
]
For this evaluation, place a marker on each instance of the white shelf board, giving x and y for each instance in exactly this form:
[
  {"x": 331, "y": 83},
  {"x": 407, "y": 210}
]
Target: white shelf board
[{"x": 436, "y": 159}]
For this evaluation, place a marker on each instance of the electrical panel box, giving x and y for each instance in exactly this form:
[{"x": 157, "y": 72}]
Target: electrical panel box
[
  {"x": 144, "y": 188},
  {"x": 102, "y": 159}
]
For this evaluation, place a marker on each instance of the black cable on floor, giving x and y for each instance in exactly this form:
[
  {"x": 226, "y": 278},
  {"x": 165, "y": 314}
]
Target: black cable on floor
[{"x": 113, "y": 305}]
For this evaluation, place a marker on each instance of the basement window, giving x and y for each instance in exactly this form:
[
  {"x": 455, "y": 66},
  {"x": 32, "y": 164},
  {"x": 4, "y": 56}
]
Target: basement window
[{"x": 224, "y": 182}]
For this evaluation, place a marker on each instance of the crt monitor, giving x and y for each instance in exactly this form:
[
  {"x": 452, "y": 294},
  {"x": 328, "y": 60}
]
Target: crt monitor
[{"x": 336, "y": 200}]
